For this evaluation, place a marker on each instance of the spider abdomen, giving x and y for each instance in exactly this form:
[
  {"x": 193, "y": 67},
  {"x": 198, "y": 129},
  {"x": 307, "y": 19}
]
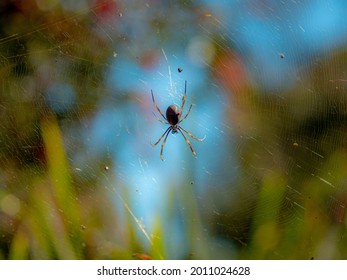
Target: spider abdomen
[{"x": 173, "y": 115}]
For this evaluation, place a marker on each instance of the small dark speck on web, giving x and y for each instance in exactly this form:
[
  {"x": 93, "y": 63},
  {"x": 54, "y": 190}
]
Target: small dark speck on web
[{"x": 179, "y": 69}]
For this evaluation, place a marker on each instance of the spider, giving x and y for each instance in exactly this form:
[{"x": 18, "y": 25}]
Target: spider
[{"x": 173, "y": 118}]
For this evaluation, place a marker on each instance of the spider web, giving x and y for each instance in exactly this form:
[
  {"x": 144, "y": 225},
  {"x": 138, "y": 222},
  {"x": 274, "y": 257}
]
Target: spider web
[{"x": 266, "y": 81}]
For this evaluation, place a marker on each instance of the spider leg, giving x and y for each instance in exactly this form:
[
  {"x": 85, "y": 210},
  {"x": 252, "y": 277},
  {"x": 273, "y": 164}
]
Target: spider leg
[
  {"x": 155, "y": 105},
  {"x": 186, "y": 114},
  {"x": 185, "y": 138},
  {"x": 184, "y": 96},
  {"x": 191, "y": 135},
  {"x": 161, "y": 137},
  {"x": 163, "y": 144},
  {"x": 160, "y": 119}
]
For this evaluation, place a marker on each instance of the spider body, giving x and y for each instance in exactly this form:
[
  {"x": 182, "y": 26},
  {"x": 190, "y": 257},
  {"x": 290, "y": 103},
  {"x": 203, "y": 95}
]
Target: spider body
[
  {"x": 173, "y": 118},
  {"x": 173, "y": 115}
]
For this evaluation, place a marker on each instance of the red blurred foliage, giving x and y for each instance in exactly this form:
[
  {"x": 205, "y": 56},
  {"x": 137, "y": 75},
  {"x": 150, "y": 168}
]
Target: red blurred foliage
[
  {"x": 149, "y": 59},
  {"x": 106, "y": 11},
  {"x": 141, "y": 256},
  {"x": 231, "y": 73}
]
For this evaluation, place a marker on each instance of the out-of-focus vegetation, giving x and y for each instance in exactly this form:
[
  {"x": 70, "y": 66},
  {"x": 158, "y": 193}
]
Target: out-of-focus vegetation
[
  {"x": 288, "y": 201},
  {"x": 47, "y": 210},
  {"x": 293, "y": 150}
]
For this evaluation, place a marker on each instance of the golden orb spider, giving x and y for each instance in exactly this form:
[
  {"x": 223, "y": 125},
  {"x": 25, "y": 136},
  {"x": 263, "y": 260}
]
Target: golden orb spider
[{"x": 173, "y": 118}]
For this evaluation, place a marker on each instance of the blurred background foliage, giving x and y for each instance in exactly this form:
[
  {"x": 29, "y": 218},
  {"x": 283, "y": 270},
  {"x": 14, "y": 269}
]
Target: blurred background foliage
[{"x": 77, "y": 172}]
